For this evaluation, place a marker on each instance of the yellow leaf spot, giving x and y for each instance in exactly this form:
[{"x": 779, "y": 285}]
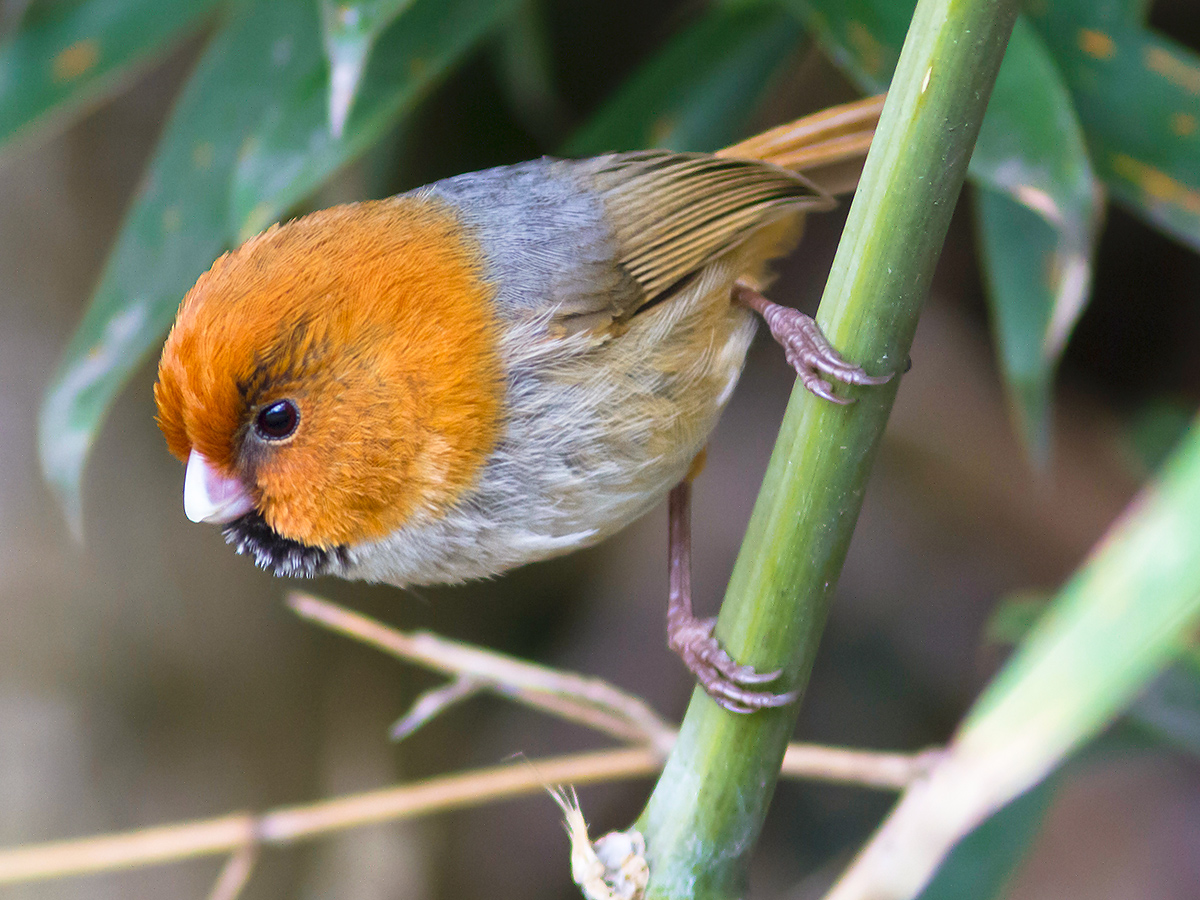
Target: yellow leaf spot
[
  {"x": 1173, "y": 68},
  {"x": 75, "y": 60},
  {"x": 202, "y": 155},
  {"x": 866, "y": 47},
  {"x": 1183, "y": 124},
  {"x": 417, "y": 67},
  {"x": 171, "y": 219},
  {"x": 1096, "y": 44},
  {"x": 1157, "y": 184}
]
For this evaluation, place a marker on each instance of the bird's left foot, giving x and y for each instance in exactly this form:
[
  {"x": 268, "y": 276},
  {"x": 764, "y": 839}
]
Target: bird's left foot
[
  {"x": 730, "y": 684},
  {"x": 808, "y": 351}
]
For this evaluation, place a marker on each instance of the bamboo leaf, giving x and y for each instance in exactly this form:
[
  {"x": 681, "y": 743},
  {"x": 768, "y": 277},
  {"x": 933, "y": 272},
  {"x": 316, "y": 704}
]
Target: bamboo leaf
[
  {"x": 178, "y": 223},
  {"x": 292, "y": 150},
  {"x": 1116, "y": 624},
  {"x": 983, "y": 863},
  {"x": 1169, "y": 709},
  {"x": 1136, "y": 92},
  {"x": 66, "y": 55},
  {"x": 349, "y": 30},
  {"x": 1036, "y": 290},
  {"x": 524, "y": 63},
  {"x": 1155, "y": 430},
  {"x": 699, "y": 91},
  {"x": 1038, "y": 214}
]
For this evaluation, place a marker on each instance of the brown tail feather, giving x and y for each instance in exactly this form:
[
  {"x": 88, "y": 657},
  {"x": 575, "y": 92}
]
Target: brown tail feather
[{"x": 828, "y": 146}]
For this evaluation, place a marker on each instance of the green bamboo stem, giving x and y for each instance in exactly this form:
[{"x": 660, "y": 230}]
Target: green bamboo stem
[{"x": 706, "y": 812}]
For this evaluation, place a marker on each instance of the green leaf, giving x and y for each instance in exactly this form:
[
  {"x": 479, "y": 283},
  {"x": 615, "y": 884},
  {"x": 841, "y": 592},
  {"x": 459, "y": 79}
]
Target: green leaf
[
  {"x": 350, "y": 30},
  {"x": 700, "y": 90},
  {"x": 1039, "y": 210},
  {"x": 65, "y": 55},
  {"x": 1136, "y": 95},
  {"x": 1028, "y": 280},
  {"x": 524, "y": 64},
  {"x": 12, "y": 13},
  {"x": 862, "y": 37},
  {"x": 1116, "y": 624},
  {"x": 1169, "y": 710},
  {"x": 1038, "y": 215},
  {"x": 983, "y": 862},
  {"x": 1014, "y": 617},
  {"x": 178, "y": 223},
  {"x": 293, "y": 151},
  {"x": 1156, "y": 429}
]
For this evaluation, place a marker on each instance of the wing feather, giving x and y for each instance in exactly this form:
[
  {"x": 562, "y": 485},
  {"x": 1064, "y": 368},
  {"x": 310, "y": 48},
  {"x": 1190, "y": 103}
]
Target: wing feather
[{"x": 673, "y": 213}]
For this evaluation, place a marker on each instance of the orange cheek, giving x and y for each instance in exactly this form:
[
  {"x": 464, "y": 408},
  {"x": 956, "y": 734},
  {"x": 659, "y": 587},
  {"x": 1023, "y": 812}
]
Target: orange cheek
[
  {"x": 319, "y": 497},
  {"x": 377, "y": 316},
  {"x": 421, "y": 443},
  {"x": 361, "y": 462}
]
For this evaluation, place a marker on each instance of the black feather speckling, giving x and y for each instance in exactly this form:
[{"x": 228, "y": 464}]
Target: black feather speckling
[{"x": 252, "y": 536}]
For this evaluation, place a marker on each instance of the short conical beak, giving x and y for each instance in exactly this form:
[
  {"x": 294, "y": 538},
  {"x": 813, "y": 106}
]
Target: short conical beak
[{"x": 209, "y": 496}]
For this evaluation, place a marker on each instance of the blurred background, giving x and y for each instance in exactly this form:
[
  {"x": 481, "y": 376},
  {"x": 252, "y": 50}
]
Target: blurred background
[{"x": 149, "y": 675}]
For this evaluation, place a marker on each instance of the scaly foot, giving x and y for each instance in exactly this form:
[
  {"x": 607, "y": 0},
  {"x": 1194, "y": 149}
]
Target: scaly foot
[
  {"x": 727, "y": 682},
  {"x": 807, "y": 349}
]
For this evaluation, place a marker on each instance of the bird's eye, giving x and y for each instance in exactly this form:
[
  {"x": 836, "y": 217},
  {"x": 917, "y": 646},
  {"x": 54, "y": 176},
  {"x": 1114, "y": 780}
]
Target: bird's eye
[{"x": 277, "y": 421}]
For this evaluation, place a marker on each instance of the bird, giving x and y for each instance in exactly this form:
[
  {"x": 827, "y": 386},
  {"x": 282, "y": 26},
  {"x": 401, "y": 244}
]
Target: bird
[{"x": 499, "y": 367}]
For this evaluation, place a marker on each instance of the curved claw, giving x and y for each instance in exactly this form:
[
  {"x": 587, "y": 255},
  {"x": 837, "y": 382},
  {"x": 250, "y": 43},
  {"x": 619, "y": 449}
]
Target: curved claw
[
  {"x": 708, "y": 650},
  {"x": 730, "y": 684},
  {"x": 811, "y": 355},
  {"x": 861, "y": 377},
  {"x": 737, "y": 699},
  {"x": 808, "y": 350},
  {"x": 819, "y": 386}
]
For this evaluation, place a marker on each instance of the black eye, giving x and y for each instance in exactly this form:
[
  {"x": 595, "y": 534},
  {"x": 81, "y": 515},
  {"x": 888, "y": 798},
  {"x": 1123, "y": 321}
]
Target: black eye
[{"x": 277, "y": 421}]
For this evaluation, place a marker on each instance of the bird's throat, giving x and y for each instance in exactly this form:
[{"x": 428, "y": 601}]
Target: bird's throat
[{"x": 252, "y": 536}]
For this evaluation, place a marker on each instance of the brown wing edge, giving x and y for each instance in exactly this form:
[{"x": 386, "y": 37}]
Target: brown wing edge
[{"x": 672, "y": 213}]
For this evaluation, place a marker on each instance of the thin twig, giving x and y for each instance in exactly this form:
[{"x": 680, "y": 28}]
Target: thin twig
[
  {"x": 862, "y": 768},
  {"x": 587, "y": 700},
  {"x": 287, "y": 825},
  {"x": 590, "y": 701},
  {"x": 434, "y": 702},
  {"x": 243, "y": 834},
  {"x": 127, "y": 850},
  {"x": 236, "y": 873}
]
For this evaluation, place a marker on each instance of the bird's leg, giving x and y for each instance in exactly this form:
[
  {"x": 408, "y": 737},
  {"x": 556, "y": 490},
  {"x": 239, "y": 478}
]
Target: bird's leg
[
  {"x": 808, "y": 351},
  {"x": 729, "y": 684}
]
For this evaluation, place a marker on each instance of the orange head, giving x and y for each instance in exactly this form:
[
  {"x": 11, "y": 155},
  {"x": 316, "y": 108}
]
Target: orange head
[{"x": 335, "y": 375}]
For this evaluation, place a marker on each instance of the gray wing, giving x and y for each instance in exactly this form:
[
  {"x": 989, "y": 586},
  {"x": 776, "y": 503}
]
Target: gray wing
[{"x": 588, "y": 243}]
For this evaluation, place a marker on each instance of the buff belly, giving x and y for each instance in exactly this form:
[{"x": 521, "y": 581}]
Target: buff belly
[
  {"x": 598, "y": 427},
  {"x": 590, "y": 444}
]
